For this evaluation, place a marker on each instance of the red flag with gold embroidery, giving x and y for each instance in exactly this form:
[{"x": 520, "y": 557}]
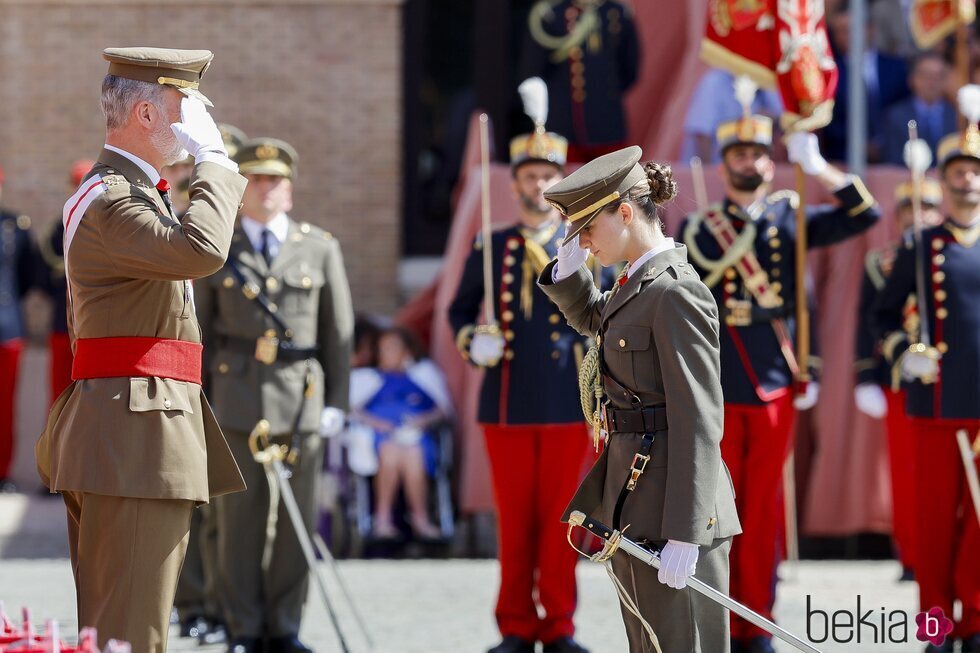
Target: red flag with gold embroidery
[
  {"x": 780, "y": 44},
  {"x": 933, "y": 20}
]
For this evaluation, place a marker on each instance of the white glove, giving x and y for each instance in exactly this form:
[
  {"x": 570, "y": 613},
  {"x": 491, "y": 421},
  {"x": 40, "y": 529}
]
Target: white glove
[
  {"x": 808, "y": 399},
  {"x": 870, "y": 400},
  {"x": 802, "y": 148},
  {"x": 678, "y": 561},
  {"x": 486, "y": 349},
  {"x": 331, "y": 421},
  {"x": 196, "y": 130},
  {"x": 919, "y": 366},
  {"x": 570, "y": 258}
]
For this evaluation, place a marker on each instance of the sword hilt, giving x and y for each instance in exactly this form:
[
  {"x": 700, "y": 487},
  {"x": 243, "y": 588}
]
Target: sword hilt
[{"x": 263, "y": 450}]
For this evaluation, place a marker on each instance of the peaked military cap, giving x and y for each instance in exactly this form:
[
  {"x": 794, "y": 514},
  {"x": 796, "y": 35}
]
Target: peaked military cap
[
  {"x": 182, "y": 69},
  {"x": 232, "y": 136},
  {"x": 748, "y": 130},
  {"x": 932, "y": 192},
  {"x": 266, "y": 156},
  {"x": 960, "y": 145},
  {"x": 581, "y": 195}
]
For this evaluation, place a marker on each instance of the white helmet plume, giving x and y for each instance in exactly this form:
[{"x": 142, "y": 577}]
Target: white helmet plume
[{"x": 534, "y": 95}]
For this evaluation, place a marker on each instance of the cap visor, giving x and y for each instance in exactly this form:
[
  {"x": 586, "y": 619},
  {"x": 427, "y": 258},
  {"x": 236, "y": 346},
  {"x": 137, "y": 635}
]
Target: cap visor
[
  {"x": 272, "y": 167},
  {"x": 579, "y": 225},
  {"x": 193, "y": 92}
]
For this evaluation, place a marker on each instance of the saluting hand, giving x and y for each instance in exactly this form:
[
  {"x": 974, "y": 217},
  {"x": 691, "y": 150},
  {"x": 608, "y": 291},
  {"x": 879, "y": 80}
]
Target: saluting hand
[
  {"x": 571, "y": 256},
  {"x": 196, "y": 130}
]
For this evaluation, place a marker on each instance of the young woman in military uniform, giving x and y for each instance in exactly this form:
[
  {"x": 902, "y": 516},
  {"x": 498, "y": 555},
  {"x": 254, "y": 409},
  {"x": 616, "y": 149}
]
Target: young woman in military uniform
[{"x": 657, "y": 335}]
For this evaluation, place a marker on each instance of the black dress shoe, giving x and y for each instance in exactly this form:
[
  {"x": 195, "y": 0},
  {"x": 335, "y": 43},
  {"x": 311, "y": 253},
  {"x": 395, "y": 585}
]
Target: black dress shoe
[
  {"x": 7, "y": 486},
  {"x": 287, "y": 645},
  {"x": 193, "y": 626},
  {"x": 513, "y": 644},
  {"x": 564, "y": 645},
  {"x": 245, "y": 645},
  {"x": 760, "y": 644},
  {"x": 216, "y": 634},
  {"x": 971, "y": 644}
]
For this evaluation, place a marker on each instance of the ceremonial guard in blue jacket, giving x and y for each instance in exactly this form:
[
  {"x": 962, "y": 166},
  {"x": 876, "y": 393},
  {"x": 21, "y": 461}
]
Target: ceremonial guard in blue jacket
[
  {"x": 941, "y": 364},
  {"x": 588, "y": 53},
  {"x": 744, "y": 249},
  {"x": 873, "y": 394},
  {"x": 537, "y": 438},
  {"x": 18, "y": 257}
]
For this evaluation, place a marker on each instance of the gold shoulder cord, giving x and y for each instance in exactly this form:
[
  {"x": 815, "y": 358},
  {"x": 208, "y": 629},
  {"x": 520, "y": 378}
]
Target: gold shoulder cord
[
  {"x": 560, "y": 46},
  {"x": 716, "y": 268},
  {"x": 591, "y": 392}
]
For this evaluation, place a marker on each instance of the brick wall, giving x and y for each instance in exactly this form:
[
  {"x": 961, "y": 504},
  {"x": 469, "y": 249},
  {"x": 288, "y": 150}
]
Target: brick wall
[{"x": 324, "y": 75}]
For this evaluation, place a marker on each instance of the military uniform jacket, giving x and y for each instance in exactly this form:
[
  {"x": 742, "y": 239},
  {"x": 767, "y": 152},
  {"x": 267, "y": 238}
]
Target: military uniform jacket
[
  {"x": 308, "y": 286},
  {"x": 659, "y": 338},
  {"x": 586, "y": 85},
  {"x": 870, "y": 365},
  {"x": 952, "y": 267},
  {"x": 17, "y": 262},
  {"x": 128, "y": 260},
  {"x": 536, "y": 382},
  {"x": 753, "y": 368}
]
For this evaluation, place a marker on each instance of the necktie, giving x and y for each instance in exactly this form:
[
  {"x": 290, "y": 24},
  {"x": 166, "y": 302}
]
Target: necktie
[
  {"x": 267, "y": 245},
  {"x": 164, "y": 189}
]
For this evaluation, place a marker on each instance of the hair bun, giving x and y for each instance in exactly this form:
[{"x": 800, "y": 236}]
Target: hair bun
[{"x": 663, "y": 188}]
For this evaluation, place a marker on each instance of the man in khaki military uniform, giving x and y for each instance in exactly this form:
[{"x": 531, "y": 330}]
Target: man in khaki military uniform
[
  {"x": 278, "y": 325},
  {"x": 131, "y": 443},
  {"x": 661, "y": 473},
  {"x": 196, "y": 602}
]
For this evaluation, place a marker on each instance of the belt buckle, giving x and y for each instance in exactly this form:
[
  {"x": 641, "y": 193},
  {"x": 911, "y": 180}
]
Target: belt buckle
[
  {"x": 637, "y": 470},
  {"x": 267, "y": 348},
  {"x": 739, "y": 312}
]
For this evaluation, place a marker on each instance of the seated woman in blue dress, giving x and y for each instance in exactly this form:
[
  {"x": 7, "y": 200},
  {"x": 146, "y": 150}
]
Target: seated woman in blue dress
[{"x": 401, "y": 401}]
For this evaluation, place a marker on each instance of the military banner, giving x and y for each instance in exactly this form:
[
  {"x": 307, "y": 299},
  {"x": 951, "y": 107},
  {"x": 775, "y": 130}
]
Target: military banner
[
  {"x": 933, "y": 20},
  {"x": 781, "y": 44}
]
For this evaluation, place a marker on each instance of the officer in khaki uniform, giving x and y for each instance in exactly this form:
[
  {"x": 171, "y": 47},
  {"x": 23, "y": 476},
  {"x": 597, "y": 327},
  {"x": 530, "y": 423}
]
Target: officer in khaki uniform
[
  {"x": 658, "y": 360},
  {"x": 132, "y": 443},
  {"x": 278, "y": 325},
  {"x": 196, "y": 603}
]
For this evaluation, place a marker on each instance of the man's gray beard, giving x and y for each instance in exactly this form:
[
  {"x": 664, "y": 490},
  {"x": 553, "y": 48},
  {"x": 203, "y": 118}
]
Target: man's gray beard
[{"x": 166, "y": 143}]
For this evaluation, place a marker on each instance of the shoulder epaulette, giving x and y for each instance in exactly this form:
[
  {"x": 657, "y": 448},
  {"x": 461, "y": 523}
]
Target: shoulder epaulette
[
  {"x": 872, "y": 266},
  {"x": 785, "y": 194}
]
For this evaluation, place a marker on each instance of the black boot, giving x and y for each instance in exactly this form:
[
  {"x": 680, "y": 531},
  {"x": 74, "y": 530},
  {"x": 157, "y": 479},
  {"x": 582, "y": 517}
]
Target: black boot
[
  {"x": 287, "y": 645},
  {"x": 245, "y": 645},
  {"x": 513, "y": 644},
  {"x": 564, "y": 645}
]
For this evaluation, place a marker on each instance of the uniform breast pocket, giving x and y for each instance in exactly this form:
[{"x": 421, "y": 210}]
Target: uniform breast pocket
[
  {"x": 158, "y": 395},
  {"x": 301, "y": 290},
  {"x": 626, "y": 352}
]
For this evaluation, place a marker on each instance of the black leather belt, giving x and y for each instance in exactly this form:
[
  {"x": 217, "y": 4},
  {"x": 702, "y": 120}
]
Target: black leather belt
[
  {"x": 285, "y": 351},
  {"x": 639, "y": 420}
]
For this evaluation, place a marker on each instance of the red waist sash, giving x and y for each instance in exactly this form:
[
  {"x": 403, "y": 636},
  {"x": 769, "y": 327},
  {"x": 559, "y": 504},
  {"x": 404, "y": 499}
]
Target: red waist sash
[{"x": 100, "y": 358}]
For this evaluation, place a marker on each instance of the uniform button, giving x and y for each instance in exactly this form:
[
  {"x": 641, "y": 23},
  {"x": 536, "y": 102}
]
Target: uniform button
[
  {"x": 940, "y": 295},
  {"x": 166, "y": 404},
  {"x": 578, "y": 68},
  {"x": 775, "y": 242},
  {"x": 509, "y": 335},
  {"x": 508, "y": 278},
  {"x": 776, "y": 286},
  {"x": 729, "y": 274},
  {"x": 622, "y": 343},
  {"x": 228, "y": 282},
  {"x": 507, "y": 316},
  {"x": 937, "y": 243},
  {"x": 507, "y": 296},
  {"x": 554, "y": 318},
  {"x": 556, "y": 355},
  {"x": 939, "y": 277},
  {"x": 776, "y": 272},
  {"x": 307, "y": 282},
  {"x": 555, "y": 336},
  {"x": 271, "y": 284},
  {"x": 941, "y": 314},
  {"x": 730, "y": 320},
  {"x": 776, "y": 257},
  {"x": 509, "y": 354},
  {"x": 578, "y": 96},
  {"x": 578, "y": 82},
  {"x": 942, "y": 347},
  {"x": 938, "y": 259},
  {"x": 272, "y": 307},
  {"x": 773, "y": 232},
  {"x": 223, "y": 368},
  {"x": 305, "y": 228},
  {"x": 509, "y": 260},
  {"x": 731, "y": 287},
  {"x": 513, "y": 244}
]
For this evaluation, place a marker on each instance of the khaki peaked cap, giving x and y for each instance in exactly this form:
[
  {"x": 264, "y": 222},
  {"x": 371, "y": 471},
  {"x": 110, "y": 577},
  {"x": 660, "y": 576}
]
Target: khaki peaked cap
[{"x": 181, "y": 69}]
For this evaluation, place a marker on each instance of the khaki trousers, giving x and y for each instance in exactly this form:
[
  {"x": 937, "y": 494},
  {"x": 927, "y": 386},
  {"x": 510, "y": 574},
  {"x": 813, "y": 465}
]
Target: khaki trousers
[
  {"x": 683, "y": 620},
  {"x": 126, "y": 555},
  {"x": 261, "y": 602},
  {"x": 195, "y": 589}
]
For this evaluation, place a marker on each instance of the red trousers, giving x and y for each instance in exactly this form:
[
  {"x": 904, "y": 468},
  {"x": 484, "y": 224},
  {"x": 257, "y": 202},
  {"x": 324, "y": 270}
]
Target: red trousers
[
  {"x": 59, "y": 364},
  {"x": 901, "y": 460},
  {"x": 536, "y": 470},
  {"x": 9, "y": 361},
  {"x": 754, "y": 447},
  {"x": 947, "y": 566}
]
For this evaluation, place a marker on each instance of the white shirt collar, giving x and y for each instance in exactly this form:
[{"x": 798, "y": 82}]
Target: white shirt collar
[
  {"x": 278, "y": 225},
  {"x": 667, "y": 244},
  {"x": 150, "y": 172}
]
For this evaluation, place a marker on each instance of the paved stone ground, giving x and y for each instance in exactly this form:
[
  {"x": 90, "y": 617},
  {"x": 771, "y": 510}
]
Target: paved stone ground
[{"x": 431, "y": 606}]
